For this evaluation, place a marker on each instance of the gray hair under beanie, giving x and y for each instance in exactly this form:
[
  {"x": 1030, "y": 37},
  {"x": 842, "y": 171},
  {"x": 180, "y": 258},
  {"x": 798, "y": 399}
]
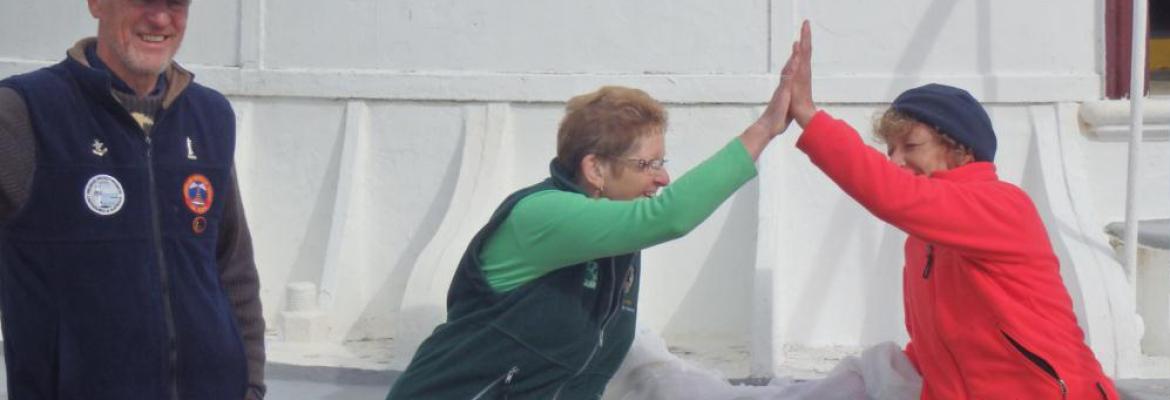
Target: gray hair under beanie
[{"x": 954, "y": 113}]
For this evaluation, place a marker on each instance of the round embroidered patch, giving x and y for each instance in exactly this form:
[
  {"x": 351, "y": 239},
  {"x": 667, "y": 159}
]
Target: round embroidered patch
[
  {"x": 198, "y": 225},
  {"x": 104, "y": 195},
  {"x": 198, "y": 193}
]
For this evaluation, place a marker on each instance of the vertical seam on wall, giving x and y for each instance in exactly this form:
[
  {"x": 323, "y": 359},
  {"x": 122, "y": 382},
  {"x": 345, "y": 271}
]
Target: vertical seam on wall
[
  {"x": 251, "y": 36},
  {"x": 261, "y": 33},
  {"x": 771, "y": 36}
]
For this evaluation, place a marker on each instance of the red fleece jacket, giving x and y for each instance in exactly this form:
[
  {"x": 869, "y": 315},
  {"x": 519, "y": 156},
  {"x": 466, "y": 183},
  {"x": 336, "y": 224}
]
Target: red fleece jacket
[{"x": 987, "y": 312}]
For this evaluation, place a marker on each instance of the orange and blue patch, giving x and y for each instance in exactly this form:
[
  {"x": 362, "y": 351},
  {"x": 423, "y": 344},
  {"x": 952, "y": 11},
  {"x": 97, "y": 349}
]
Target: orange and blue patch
[{"x": 198, "y": 193}]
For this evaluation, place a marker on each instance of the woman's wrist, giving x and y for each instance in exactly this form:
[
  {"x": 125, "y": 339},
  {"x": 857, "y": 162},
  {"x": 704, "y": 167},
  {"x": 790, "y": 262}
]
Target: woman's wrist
[
  {"x": 755, "y": 138},
  {"x": 803, "y": 115}
]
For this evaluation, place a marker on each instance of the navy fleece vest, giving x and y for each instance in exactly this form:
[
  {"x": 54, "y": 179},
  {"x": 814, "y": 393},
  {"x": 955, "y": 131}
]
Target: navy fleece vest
[
  {"x": 561, "y": 336},
  {"x": 109, "y": 286}
]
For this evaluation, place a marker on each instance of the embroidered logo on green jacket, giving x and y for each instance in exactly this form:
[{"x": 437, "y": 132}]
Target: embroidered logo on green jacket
[{"x": 591, "y": 275}]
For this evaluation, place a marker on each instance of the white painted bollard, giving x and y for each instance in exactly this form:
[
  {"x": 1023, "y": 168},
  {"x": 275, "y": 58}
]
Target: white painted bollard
[
  {"x": 1153, "y": 293},
  {"x": 1151, "y": 280},
  {"x": 302, "y": 321}
]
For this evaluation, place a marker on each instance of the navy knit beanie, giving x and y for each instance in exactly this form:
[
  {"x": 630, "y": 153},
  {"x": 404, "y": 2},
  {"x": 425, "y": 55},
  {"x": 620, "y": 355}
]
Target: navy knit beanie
[{"x": 954, "y": 113}]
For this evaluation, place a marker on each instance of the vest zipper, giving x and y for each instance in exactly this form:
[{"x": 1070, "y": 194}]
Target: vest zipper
[
  {"x": 156, "y": 227},
  {"x": 929, "y": 261},
  {"x": 506, "y": 379},
  {"x": 164, "y": 275},
  {"x": 615, "y": 297}
]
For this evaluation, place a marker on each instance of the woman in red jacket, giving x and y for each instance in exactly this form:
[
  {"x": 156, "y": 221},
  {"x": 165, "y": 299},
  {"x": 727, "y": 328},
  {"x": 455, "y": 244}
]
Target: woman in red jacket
[{"x": 987, "y": 312}]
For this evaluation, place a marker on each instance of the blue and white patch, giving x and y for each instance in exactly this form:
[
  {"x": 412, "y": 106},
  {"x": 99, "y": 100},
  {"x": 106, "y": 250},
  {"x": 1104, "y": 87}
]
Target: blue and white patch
[{"x": 104, "y": 195}]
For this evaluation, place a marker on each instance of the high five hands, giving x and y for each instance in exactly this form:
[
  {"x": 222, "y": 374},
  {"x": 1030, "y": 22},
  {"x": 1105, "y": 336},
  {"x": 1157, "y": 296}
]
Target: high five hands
[
  {"x": 791, "y": 100},
  {"x": 796, "y": 78}
]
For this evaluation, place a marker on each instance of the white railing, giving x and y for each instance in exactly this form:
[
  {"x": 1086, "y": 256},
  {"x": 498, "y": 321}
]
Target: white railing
[{"x": 1137, "y": 86}]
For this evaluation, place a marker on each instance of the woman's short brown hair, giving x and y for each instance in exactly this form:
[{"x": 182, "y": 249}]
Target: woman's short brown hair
[{"x": 606, "y": 123}]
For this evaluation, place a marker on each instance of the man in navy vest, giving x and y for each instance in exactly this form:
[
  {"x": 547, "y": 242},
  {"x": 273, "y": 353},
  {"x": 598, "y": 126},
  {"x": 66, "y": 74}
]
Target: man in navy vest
[{"x": 126, "y": 268}]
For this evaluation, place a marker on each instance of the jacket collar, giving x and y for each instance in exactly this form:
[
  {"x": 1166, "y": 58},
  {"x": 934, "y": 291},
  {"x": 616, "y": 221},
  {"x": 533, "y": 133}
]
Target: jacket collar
[
  {"x": 972, "y": 172},
  {"x": 562, "y": 179},
  {"x": 100, "y": 81}
]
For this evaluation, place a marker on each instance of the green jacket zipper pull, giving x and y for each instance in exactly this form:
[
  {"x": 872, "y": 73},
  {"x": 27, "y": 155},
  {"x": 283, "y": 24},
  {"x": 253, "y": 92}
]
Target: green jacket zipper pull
[{"x": 508, "y": 382}]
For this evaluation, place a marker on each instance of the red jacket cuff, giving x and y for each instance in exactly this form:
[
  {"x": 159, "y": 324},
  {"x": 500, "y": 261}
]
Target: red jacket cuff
[{"x": 814, "y": 135}]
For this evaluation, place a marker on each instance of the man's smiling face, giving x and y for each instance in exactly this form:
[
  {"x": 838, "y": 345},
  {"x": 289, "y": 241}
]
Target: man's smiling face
[{"x": 138, "y": 38}]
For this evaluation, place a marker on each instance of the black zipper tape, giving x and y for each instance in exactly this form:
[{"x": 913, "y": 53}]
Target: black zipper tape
[
  {"x": 1040, "y": 362},
  {"x": 929, "y": 261}
]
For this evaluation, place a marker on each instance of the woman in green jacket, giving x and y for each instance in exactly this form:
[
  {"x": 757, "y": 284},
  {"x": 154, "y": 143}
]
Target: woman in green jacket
[{"x": 544, "y": 302}]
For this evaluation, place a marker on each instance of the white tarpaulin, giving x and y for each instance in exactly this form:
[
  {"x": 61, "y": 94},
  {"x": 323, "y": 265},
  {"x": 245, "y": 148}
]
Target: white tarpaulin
[{"x": 651, "y": 372}]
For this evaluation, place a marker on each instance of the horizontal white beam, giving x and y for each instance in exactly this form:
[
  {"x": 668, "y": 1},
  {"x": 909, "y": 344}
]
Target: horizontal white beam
[
  {"x": 1110, "y": 120},
  {"x": 460, "y": 86}
]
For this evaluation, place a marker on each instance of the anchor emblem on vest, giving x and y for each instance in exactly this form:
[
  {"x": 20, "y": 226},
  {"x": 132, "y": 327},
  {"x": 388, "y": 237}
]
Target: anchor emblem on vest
[{"x": 99, "y": 148}]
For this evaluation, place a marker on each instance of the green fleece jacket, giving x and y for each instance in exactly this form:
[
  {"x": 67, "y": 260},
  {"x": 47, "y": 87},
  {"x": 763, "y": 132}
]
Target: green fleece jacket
[{"x": 544, "y": 302}]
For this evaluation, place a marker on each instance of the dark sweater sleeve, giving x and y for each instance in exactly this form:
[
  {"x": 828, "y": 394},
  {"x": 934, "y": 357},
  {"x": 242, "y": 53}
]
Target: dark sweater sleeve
[
  {"x": 17, "y": 153},
  {"x": 237, "y": 273}
]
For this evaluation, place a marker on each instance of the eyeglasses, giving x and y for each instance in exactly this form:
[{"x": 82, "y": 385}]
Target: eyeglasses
[
  {"x": 647, "y": 165},
  {"x": 170, "y": 3}
]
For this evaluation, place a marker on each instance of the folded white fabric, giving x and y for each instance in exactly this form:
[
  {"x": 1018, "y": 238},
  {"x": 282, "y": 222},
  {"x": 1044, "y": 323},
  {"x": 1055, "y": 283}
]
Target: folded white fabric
[{"x": 651, "y": 372}]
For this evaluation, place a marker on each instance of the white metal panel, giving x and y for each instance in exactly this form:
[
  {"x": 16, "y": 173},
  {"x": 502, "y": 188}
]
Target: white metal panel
[
  {"x": 42, "y": 30},
  {"x": 293, "y": 167},
  {"x": 213, "y": 33},
  {"x": 561, "y": 37}
]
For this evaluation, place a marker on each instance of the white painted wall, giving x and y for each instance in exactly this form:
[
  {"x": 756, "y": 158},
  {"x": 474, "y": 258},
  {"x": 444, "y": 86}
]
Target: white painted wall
[{"x": 376, "y": 135}]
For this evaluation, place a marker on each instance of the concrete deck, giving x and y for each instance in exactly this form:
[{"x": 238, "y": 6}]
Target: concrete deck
[
  {"x": 327, "y": 383},
  {"x": 339, "y": 384},
  {"x": 291, "y": 382},
  {"x": 332, "y": 383}
]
